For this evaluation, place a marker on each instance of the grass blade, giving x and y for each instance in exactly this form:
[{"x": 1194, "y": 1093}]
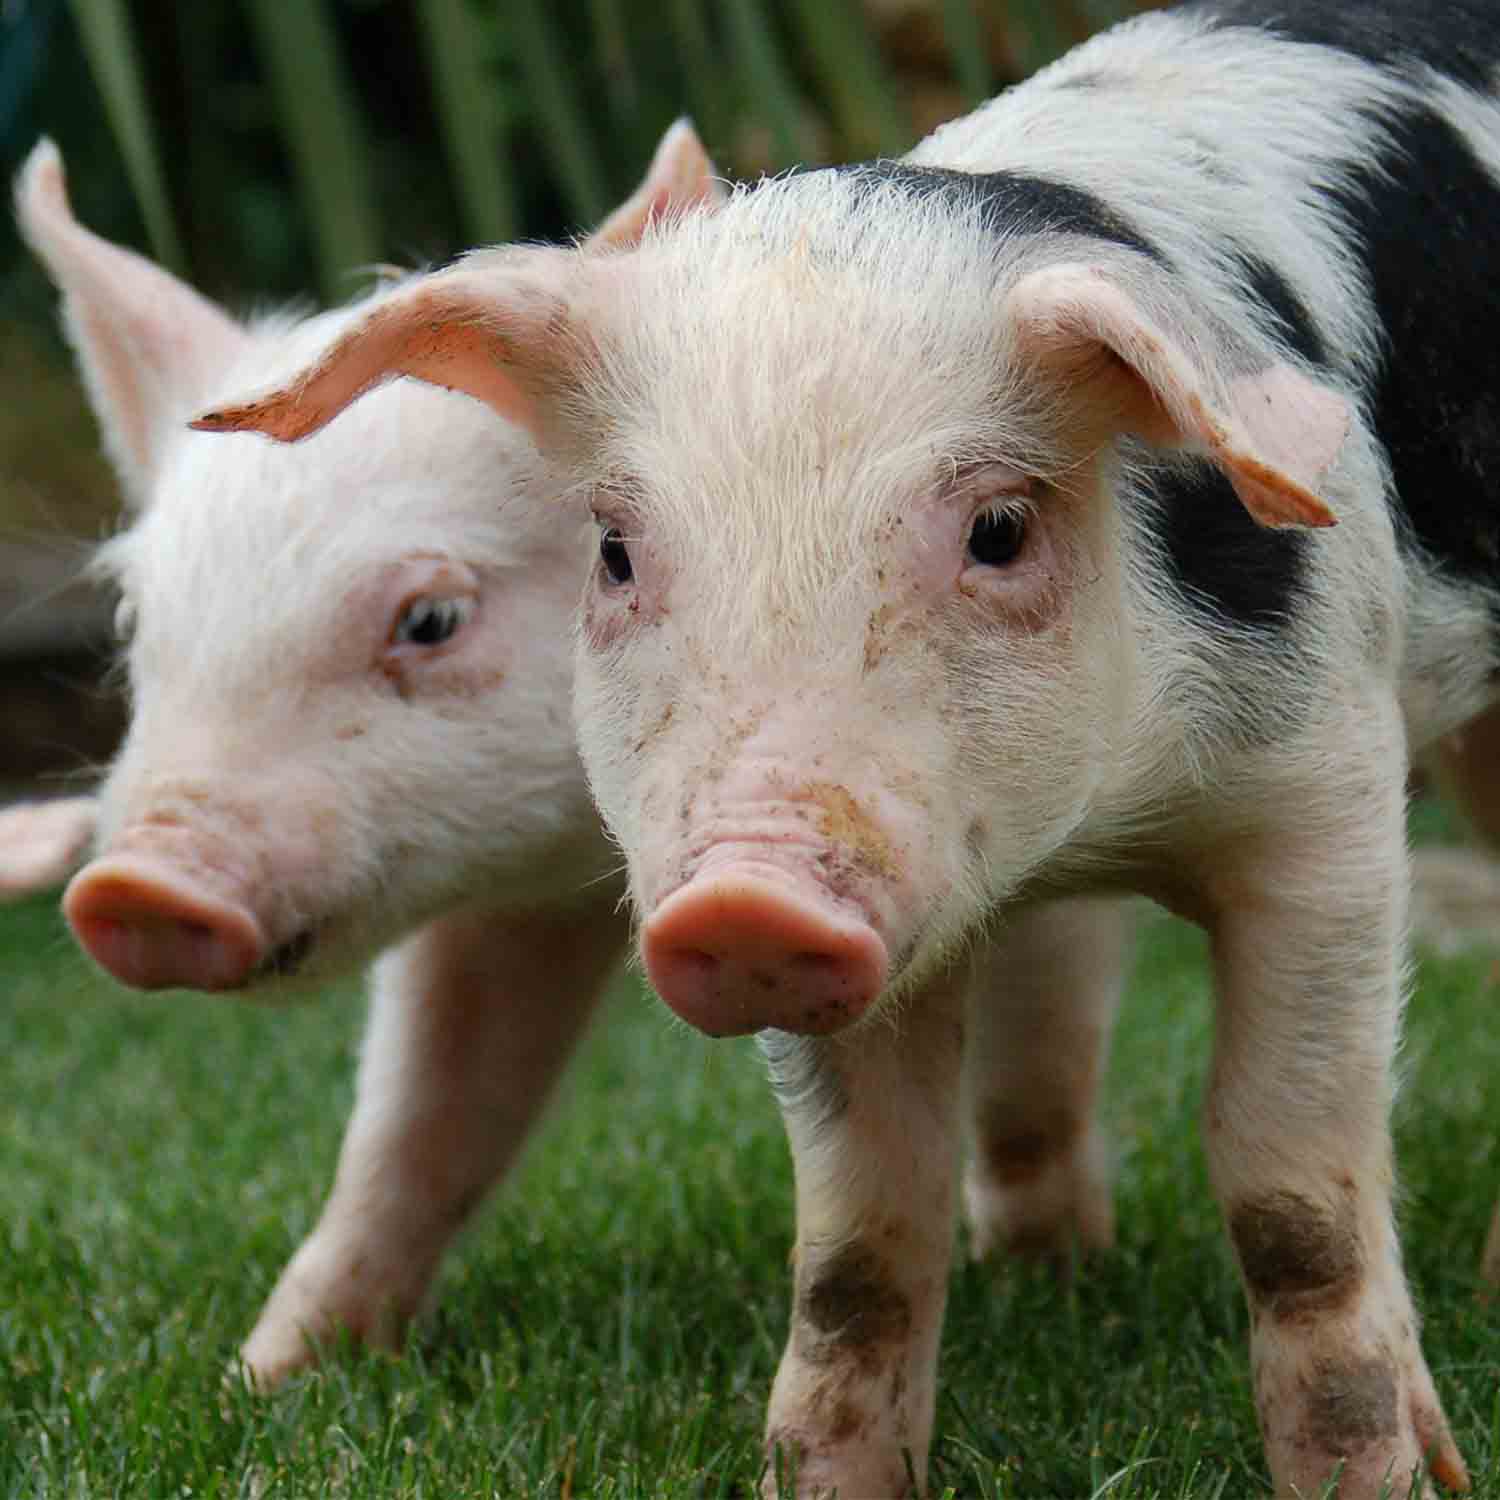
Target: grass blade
[
  {"x": 766, "y": 78},
  {"x": 560, "y": 117},
  {"x": 324, "y": 132},
  {"x": 1042, "y": 36},
  {"x": 963, "y": 29},
  {"x": 702, "y": 72},
  {"x": 472, "y": 116},
  {"x": 109, "y": 44},
  {"x": 855, "y": 80}
]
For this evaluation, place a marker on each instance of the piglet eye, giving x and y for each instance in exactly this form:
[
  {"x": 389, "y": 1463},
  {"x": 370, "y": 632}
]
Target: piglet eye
[
  {"x": 615, "y": 556},
  {"x": 997, "y": 537},
  {"x": 427, "y": 621}
]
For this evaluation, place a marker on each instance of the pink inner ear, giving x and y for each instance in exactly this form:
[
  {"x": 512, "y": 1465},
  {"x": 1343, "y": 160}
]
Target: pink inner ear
[
  {"x": 1297, "y": 428},
  {"x": 1281, "y": 434},
  {"x": 680, "y": 176},
  {"x": 148, "y": 344},
  {"x": 439, "y": 330}
]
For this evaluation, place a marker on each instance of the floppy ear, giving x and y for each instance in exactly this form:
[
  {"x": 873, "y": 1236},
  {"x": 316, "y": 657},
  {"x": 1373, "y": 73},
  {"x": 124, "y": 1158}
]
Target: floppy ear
[
  {"x": 1275, "y": 435},
  {"x": 148, "y": 345},
  {"x": 499, "y": 337},
  {"x": 680, "y": 177},
  {"x": 494, "y": 327}
]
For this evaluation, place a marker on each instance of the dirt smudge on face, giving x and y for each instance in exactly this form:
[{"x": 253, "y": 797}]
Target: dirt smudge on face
[
  {"x": 658, "y": 728},
  {"x": 877, "y": 635},
  {"x": 844, "y": 822}
]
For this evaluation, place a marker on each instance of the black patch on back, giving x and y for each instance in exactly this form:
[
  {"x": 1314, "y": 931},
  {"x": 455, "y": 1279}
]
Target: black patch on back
[
  {"x": 1426, "y": 215},
  {"x": 1011, "y": 202},
  {"x": 1263, "y": 283},
  {"x": 1459, "y": 38},
  {"x": 1228, "y": 568}
]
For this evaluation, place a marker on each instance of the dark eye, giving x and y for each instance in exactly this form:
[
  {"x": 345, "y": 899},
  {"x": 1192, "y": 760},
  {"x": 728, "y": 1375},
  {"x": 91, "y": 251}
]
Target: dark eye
[
  {"x": 429, "y": 622},
  {"x": 997, "y": 537},
  {"x": 615, "y": 556}
]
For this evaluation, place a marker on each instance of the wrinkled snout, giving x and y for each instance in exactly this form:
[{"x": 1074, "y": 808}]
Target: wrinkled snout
[
  {"x": 742, "y": 950},
  {"x": 152, "y": 928}
]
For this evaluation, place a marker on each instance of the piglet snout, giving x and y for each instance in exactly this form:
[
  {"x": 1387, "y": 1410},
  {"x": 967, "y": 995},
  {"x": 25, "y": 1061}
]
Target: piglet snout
[
  {"x": 737, "y": 952},
  {"x": 146, "y": 925}
]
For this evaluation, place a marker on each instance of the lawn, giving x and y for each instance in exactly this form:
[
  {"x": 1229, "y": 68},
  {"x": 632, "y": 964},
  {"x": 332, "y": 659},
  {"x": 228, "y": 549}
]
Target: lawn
[{"x": 611, "y": 1324}]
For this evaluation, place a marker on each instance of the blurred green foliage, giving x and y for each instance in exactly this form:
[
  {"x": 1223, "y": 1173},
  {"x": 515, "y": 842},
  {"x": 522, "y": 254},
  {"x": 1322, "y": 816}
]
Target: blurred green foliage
[
  {"x": 271, "y": 149},
  {"x": 278, "y": 145}
]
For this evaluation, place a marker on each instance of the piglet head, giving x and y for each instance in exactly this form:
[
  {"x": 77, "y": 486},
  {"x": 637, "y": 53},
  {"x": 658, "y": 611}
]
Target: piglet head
[
  {"x": 870, "y": 639},
  {"x": 349, "y": 660}
]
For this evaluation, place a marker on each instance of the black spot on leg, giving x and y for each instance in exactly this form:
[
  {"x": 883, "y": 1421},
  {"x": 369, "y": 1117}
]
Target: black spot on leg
[{"x": 1300, "y": 1258}]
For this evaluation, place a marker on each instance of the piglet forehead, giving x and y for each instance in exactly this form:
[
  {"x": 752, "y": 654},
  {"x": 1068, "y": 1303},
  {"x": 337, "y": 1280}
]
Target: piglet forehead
[{"x": 495, "y": 327}]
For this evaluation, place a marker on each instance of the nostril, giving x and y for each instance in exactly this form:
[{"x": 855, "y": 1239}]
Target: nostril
[
  {"x": 816, "y": 963},
  {"x": 150, "y": 928},
  {"x": 291, "y": 955}
]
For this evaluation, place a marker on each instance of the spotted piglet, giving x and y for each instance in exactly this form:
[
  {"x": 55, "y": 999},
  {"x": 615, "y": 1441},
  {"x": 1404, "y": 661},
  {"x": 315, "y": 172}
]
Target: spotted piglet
[
  {"x": 351, "y": 730},
  {"x": 1096, "y": 500}
]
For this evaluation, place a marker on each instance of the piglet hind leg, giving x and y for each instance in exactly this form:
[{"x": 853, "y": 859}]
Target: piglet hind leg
[
  {"x": 873, "y": 1121},
  {"x": 1307, "y": 927},
  {"x": 1043, "y": 998},
  {"x": 471, "y": 1021}
]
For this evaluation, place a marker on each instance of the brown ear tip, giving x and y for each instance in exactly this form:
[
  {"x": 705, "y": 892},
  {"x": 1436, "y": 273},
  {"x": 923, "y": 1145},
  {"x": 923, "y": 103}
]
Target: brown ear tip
[
  {"x": 1314, "y": 513},
  {"x": 263, "y": 416},
  {"x": 214, "y": 421}
]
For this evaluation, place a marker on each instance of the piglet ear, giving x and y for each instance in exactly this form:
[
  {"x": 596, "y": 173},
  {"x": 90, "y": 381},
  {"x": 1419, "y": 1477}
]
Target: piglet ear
[
  {"x": 494, "y": 327},
  {"x": 680, "y": 177},
  {"x": 1274, "y": 433},
  {"x": 148, "y": 345}
]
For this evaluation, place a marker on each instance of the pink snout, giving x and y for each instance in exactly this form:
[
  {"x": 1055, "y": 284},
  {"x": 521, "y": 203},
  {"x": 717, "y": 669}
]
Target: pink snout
[
  {"x": 149, "y": 927},
  {"x": 733, "y": 953}
]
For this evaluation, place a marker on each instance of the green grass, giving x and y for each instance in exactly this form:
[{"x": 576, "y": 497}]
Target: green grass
[{"x": 611, "y": 1325}]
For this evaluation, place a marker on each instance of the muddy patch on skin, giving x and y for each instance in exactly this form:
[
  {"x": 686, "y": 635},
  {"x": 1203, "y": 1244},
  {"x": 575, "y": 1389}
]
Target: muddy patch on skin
[
  {"x": 847, "y": 1309},
  {"x": 844, "y": 822},
  {"x": 660, "y": 727},
  {"x": 1350, "y": 1404},
  {"x": 877, "y": 635},
  {"x": 1016, "y": 1157},
  {"x": 1299, "y": 1257}
]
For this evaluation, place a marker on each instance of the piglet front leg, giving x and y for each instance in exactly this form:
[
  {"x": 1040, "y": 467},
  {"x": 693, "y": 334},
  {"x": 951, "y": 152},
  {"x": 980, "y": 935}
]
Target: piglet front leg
[
  {"x": 873, "y": 1121},
  {"x": 1307, "y": 947},
  {"x": 471, "y": 1021}
]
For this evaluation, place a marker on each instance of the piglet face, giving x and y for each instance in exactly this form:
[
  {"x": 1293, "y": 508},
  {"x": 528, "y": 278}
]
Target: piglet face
[
  {"x": 349, "y": 662},
  {"x": 817, "y": 789},
  {"x": 341, "y": 722}
]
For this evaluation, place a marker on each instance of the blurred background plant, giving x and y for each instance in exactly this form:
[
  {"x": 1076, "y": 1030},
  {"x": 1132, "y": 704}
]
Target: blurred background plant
[{"x": 270, "y": 149}]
